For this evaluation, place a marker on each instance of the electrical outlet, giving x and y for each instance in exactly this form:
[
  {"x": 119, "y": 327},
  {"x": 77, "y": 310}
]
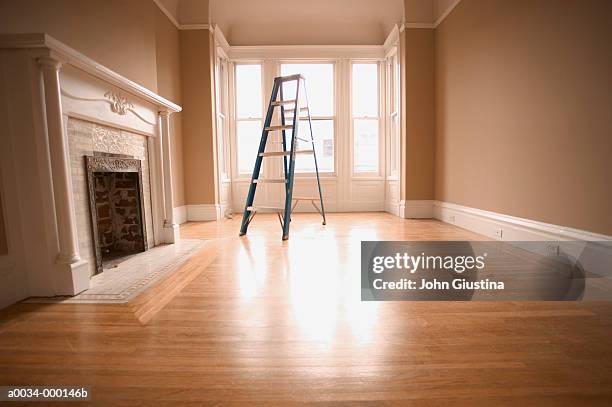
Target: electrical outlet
[
  {"x": 552, "y": 248},
  {"x": 499, "y": 233}
]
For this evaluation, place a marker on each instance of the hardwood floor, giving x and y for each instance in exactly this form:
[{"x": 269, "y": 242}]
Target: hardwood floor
[{"x": 279, "y": 323}]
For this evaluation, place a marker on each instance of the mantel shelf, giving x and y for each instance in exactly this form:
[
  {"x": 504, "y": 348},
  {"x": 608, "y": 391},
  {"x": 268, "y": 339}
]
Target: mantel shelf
[{"x": 72, "y": 57}]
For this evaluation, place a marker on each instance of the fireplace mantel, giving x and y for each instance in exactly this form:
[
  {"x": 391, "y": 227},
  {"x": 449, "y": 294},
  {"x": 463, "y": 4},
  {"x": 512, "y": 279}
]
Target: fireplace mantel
[{"x": 45, "y": 83}]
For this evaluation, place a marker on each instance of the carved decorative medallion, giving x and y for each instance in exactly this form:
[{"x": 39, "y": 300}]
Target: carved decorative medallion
[
  {"x": 110, "y": 140},
  {"x": 119, "y": 103},
  {"x": 112, "y": 164}
]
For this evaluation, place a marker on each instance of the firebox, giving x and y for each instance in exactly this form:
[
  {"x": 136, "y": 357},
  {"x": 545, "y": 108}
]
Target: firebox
[{"x": 116, "y": 206}]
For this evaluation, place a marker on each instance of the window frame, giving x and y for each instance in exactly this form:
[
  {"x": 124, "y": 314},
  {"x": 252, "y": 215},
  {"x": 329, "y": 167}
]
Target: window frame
[
  {"x": 393, "y": 158},
  {"x": 237, "y": 175},
  {"x": 333, "y": 118},
  {"x": 379, "y": 173},
  {"x": 222, "y": 68}
]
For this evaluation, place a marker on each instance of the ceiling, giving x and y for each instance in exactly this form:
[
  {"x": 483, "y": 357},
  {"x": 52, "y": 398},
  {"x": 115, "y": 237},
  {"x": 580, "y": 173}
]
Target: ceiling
[{"x": 315, "y": 22}]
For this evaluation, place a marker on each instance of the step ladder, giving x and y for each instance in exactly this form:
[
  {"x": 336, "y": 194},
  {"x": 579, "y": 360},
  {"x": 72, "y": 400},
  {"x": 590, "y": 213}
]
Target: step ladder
[{"x": 290, "y": 111}]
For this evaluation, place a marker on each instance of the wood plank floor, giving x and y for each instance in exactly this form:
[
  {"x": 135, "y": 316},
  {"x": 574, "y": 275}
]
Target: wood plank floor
[{"x": 281, "y": 323}]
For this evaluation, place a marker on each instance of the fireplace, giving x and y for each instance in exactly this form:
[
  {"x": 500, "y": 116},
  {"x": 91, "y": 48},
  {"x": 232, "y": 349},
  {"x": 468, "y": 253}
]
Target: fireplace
[{"x": 116, "y": 204}]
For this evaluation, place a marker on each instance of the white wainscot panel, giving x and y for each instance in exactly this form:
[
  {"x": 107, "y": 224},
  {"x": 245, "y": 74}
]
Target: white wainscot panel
[
  {"x": 367, "y": 195},
  {"x": 308, "y": 188}
]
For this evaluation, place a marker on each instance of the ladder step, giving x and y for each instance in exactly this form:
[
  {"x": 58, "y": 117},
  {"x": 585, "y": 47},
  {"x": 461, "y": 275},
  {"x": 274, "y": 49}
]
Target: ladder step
[
  {"x": 283, "y": 153},
  {"x": 277, "y": 128},
  {"x": 270, "y": 181},
  {"x": 283, "y": 102},
  {"x": 289, "y": 78},
  {"x": 266, "y": 208},
  {"x": 299, "y": 138},
  {"x": 291, "y": 110},
  {"x": 305, "y": 198}
]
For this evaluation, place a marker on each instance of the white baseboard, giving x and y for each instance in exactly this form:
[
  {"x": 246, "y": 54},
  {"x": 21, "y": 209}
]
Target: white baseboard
[
  {"x": 180, "y": 214},
  {"x": 512, "y": 228},
  {"x": 392, "y": 208},
  {"x": 416, "y": 209},
  {"x": 594, "y": 257},
  {"x": 203, "y": 212}
]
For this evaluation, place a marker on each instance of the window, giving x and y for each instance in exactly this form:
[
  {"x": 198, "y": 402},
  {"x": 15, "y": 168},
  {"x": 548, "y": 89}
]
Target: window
[
  {"x": 320, "y": 93},
  {"x": 221, "y": 92},
  {"x": 393, "y": 119},
  {"x": 365, "y": 118},
  {"x": 248, "y": 115}
]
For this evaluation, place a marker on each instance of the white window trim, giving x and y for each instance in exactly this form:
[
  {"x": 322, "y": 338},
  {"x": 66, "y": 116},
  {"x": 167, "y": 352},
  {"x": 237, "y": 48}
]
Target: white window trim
[
  {"x": 379, "y": 174},
  {"x": 236, "y": 174},
  {"x": 222, "y": 101}
]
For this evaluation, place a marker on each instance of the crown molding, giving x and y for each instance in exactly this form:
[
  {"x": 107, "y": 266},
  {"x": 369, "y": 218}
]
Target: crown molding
[
  {"x": 167, "y": 13},
  {"x": 392, "y": 39},
  {"x": 446, "y": 13},
  {"x": 418, "y": 25},
  {"x": 436, "y": 23},
  {"x": 196, "y": 27},
  {"x": 176, "y": 23},
  {"x": 221, "y": 41}
]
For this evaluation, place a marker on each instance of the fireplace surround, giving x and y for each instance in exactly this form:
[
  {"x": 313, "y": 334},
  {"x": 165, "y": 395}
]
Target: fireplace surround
[{"x": 50, "y": 93}]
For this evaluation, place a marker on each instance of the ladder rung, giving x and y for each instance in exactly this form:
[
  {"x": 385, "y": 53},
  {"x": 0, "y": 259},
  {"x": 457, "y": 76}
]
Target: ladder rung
[
  {"x": 265, "y": 208},
  {"x": 276, "y": 128},
  {"x": 299, "y": 138},
  {"x": 282, "y": 153},
  {"x": 305, "y": 198},
  {"x": 291, "y": 110},
  {"x": 289, "y": 78},
  {"x": 270, "y": 181},
  {"x": 301, "y": 118},
  {"x": 283, "y": 102}
]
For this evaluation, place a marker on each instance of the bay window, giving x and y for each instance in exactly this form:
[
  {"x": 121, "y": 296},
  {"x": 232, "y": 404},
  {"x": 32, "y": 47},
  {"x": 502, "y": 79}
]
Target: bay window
[{"x": 365, "y": 117}]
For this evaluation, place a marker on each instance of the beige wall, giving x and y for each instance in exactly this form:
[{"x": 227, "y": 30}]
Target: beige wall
[
  {"x": 523, "y": 110},
  {"x": 418, "y": 47},
  {"x": 133, "y": 38},
  {"x": 3, "y": 238},
  {"x": 197, "y": 116},
  {"x": 117, "y": 33},
  {"x": 167, "y": 52}
]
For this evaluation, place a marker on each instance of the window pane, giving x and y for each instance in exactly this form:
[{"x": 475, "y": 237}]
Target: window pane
[
  {"x": 221, "y": 145},
  {"x": 366, "y": 145},
  {"x": 323, "y": 131},
  {"x": 394, "y": 145},
  {"x": 248, "y": 91},
  {"x": 248, "y": 135},
  {"x": 319, "y": 86},
  {"x": 365, "y": 90}
]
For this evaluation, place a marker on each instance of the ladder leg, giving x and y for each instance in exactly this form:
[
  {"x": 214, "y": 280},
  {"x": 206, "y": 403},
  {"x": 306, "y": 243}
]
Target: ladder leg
[
  {"x": 282, "y": 115},
  {"x": 290, "y": 175},
  {"x": 314, "y": 153},
  {"x": 262, "y": 147}
]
